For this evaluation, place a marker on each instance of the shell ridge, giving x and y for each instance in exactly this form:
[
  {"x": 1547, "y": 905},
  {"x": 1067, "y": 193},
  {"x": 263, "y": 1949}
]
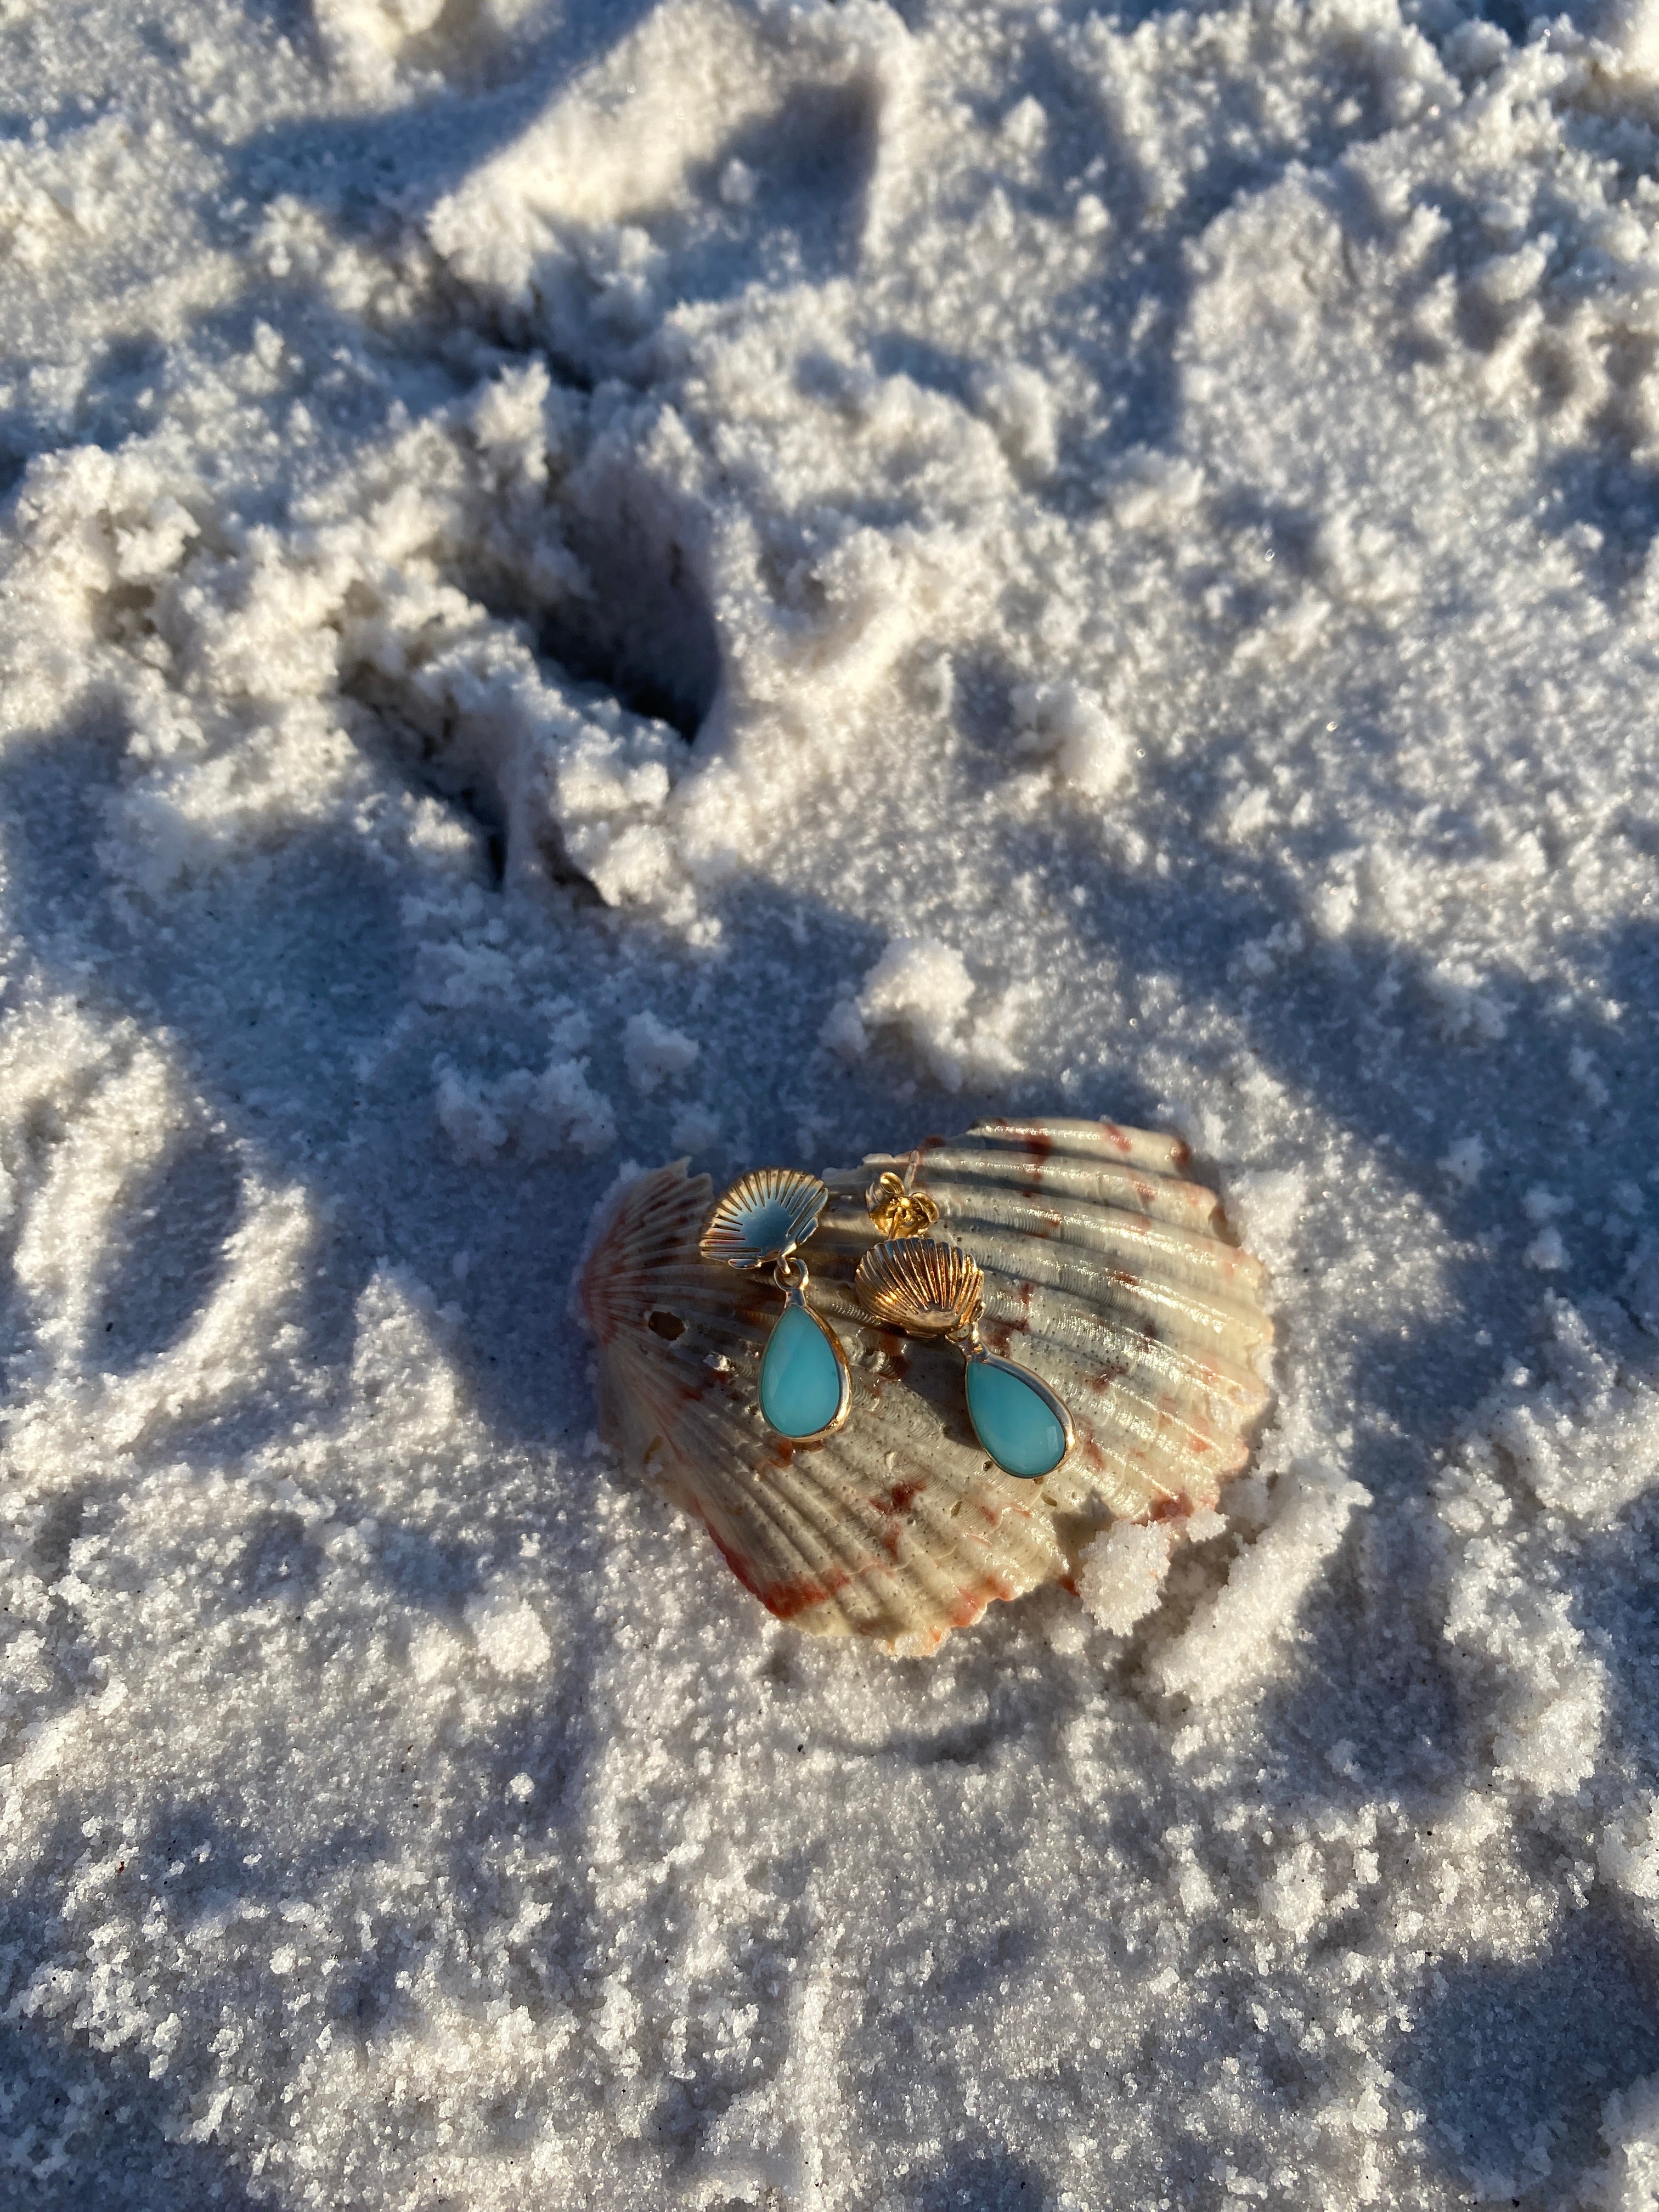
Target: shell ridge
[
  {"x": 846, "y": 1583},
  {"x": 959, "y": 1468},
  {"x": 1095, "y": 1227},
  {"x": 1120, "y": 1342},
  {"x": 1203, "y": 1264},
  {"x": 1144, "y": 1359},
  {"x": 941, "y": 1581},
  {"x": 1156, "y": 1442},
  {"x": 786, "y": 1565},
  {"x": 1078, "y": 1133},
  {"x": 1143, "y": 1192},
  {"x": 875, "y": 1558},
  {"x": 1148, "y": 1417},
  {"x": 667, "y": 1197},
  {"x": 1141, "y": 1365},
  {"x": 781, "y": 1497},
  {"x": 1062, "y": 1264},
  {"x": 932, "y": 1592},
  {"x": 1202, "y": 1321}
]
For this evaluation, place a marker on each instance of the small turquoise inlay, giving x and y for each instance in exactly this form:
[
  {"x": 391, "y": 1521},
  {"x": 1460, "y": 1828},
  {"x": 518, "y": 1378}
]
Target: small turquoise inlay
[
  {"x": 768, "y": 1227},
  {"x": 1013, "y": 1422},
  {"x": 800, "y": 1375}
]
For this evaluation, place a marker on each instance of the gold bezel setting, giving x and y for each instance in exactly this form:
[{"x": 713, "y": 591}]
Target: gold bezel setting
[{"x": 977, "y": 1356}]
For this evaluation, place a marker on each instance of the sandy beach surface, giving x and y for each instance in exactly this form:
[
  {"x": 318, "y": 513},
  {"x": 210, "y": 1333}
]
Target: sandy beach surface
[{"x": 586, "y": 584}]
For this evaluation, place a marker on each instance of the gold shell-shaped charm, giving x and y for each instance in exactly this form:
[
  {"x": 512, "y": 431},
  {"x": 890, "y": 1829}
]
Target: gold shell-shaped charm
[
  {"x": 764, "y": 1217},
  {"x": 923, "y": 1287}
]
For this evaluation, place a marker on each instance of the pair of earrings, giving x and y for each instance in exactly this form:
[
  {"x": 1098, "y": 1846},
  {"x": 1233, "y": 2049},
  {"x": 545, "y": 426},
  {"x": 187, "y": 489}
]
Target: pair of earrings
[{"x": 909, "y": 1281}]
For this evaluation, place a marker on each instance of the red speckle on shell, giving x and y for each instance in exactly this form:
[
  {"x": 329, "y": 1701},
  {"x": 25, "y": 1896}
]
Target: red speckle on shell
[{"x": 787, "y": 1600}]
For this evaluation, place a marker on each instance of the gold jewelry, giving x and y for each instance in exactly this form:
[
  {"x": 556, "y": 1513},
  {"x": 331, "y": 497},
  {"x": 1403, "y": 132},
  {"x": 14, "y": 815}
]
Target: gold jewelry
[
  {"x": 934, "y": 1290},
  {"x": 896, "y": 1207},
  {"x": 805, "y": 1388}
]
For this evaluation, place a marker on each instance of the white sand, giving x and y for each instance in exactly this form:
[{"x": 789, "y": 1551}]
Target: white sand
[{"x": 702, "y": 575}]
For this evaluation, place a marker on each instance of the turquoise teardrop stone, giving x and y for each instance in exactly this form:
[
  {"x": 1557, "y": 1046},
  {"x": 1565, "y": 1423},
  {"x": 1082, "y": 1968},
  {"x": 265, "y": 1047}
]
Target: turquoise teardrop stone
[
  {"x": 1012, "y": 1422},
  {"x": 800, "y": 1376}
]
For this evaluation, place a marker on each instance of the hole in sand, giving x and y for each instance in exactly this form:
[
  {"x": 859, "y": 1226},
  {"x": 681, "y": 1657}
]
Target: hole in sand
[{"x": 647, "y": 635}]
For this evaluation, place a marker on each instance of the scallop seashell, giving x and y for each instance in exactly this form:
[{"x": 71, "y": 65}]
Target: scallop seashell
[
  {"x": 919, "y": 1284},
  {"x": 1106, "y": 1273},
  {"x": 764, "y": 1217}
]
